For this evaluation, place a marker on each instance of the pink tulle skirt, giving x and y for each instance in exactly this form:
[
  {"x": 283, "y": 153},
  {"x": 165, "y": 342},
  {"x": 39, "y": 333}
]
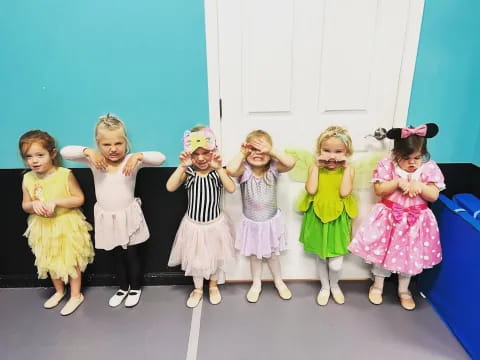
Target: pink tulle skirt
[
  {"x": 261, "y": 238},
  {"x": 203, "y": 248}
]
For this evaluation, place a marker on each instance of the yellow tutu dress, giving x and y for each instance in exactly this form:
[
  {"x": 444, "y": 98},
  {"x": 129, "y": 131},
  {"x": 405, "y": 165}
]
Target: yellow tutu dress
[{"x": 62, "y": 242}]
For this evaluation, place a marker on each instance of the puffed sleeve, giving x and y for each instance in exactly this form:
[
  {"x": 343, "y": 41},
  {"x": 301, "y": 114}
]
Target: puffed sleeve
[
  {"x": 385, "y": 171},
  {"x": 432, "y": 174},
  {"x": 246, "y": 174}
]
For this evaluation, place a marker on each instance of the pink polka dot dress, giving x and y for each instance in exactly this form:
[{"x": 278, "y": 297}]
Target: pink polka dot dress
[{"x": 401, "y": 233}]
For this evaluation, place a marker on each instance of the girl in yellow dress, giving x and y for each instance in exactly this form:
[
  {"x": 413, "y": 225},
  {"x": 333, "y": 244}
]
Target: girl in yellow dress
[{"x": 57, "y": 231}]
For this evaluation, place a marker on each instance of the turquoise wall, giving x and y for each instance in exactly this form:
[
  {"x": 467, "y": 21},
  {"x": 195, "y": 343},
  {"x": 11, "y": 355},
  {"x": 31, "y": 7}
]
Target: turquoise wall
[
  {"x": 64, "y": 63},
  {"x": 446, "y": 86}
]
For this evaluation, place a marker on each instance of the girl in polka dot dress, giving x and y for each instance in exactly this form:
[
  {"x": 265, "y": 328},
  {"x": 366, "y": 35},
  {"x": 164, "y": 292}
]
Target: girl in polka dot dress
[{"x": 401, "y": 234}]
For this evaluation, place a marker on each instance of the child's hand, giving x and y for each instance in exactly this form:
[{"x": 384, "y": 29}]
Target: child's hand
[
  {"x": 404, "y": 185},
  {"x": 321, "y": 161},
  {"x": 341, "y": 161},
  {"x": 40, "y": 208},
  {"x": 185, "y": 159},
  {"x": 262, "y": 146},
  {"x": 50, "y": 208},
  {"x": 216, "y": 162},
  {"x": 416, "y": 188},
  {"x": 96, "y": 159},
  {"x": 133, "y": 162},
  {"x": 245, "y": 149}
]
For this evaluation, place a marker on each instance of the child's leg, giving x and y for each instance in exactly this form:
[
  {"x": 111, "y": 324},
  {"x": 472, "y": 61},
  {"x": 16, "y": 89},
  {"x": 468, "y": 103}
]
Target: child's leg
[
  {"x": 121, "y": 267},
  {"x": 213, "y": 291},
  {"x": 76, "y": 297},
  {"x": 274, "y": 265},
  {"x": 256, "y": 266},
  {"x": 379, "y": 274},
  {"x": 134, "y": 276},
  {"x": 323, "y": 275},
  {"x": 76, "y": 284},
  {"x": 324, "y": 293},
  {"x": 406, "y": 299},
  {"x": 334, "y": 268},
  {"x": 197, "y": 293},
  {"x": 134, "y": 268},
  {"x": 376, "y": 289},
  {"x": 58, "y": 296},
  {"x": 59, "y": 286}
]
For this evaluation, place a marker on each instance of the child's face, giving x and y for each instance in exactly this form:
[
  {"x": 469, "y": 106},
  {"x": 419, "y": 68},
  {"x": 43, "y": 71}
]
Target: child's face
[
  {"x": 256, "y": 157},
  {"x": 332, "y": 150},
  {"x": 411, "y": 162},
  {"x": 112, "y": 145},
  {"x": 39, "y": 159},
  {"x": 201, "y": 158}
]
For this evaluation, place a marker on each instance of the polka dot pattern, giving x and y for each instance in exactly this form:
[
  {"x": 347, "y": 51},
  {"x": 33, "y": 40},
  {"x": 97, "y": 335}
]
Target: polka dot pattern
[{"x": 398, "y": 246}]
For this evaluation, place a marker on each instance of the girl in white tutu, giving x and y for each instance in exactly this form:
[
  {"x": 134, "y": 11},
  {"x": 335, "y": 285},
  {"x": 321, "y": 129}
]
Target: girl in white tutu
[
  {"x": 261, "y": 234},
  {"x": 204, "y": 243}
]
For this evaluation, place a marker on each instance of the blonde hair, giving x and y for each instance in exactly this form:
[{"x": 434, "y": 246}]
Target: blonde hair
[
  {"x": 335, "y": 131},
  {"x": 259, "y": 134},
  {"x": 111, "y": 122},
  {"x": 44, "y": 139}
]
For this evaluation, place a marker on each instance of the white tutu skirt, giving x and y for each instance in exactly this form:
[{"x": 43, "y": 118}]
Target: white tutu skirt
[
  {"x": 261, "y": 238},
  {"x": 203, "y": 248},
  {"x": 125, "y": 227}
]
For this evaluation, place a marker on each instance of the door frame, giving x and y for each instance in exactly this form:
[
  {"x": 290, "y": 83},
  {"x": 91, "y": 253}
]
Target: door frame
[{"x": 407, "y": 67}]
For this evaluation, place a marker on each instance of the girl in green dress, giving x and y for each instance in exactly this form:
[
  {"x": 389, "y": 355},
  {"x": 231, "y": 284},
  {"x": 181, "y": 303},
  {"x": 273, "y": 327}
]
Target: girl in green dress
[{"x": 328, "y": 208}]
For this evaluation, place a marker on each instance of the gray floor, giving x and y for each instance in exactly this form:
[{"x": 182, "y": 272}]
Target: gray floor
[{"x": 161, "y": 327}]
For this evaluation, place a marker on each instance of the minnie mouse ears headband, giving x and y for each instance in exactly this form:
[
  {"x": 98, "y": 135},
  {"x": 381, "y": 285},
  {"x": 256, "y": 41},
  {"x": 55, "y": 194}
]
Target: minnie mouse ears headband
[
  {"x": 204, "y": 138},
  {"x": 427, "y": 130}
]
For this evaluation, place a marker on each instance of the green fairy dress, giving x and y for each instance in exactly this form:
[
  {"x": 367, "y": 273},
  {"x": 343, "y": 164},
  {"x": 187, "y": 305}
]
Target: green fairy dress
[{"x": 327, "y": 219}]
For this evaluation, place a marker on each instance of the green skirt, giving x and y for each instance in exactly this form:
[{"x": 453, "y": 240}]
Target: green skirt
[{"x": 325, "y": 239}]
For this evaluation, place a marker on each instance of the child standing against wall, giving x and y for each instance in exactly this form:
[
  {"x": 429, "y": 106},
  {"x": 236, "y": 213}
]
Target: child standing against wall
[
  {"x": 119, "y": 223},
  {"x": 204, "y": 243},
  {"x": 262, "y": 233},
  {"x": 57, "y": 231}
]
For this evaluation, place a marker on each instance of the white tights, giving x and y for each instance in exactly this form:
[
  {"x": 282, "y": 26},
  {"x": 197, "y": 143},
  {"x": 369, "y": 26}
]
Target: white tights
[
  {"x": 198, "y": 280},
  {"x": 380, "y": 274},
  {"x": 274, "y": 265},
  {"x": 329, "y": 271}
]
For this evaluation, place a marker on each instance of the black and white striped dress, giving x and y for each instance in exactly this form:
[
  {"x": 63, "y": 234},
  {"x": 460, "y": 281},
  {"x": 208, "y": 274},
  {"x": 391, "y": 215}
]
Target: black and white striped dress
[
  {"x": 204, "y": 194},
  {"x": 203, "y": 245}
]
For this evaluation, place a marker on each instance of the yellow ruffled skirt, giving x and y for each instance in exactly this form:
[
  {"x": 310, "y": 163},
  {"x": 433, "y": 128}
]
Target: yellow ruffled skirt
[{"x": 60, "y": 244}]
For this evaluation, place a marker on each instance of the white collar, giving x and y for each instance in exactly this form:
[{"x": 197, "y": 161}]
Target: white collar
[{"x": 408, "y": 175}]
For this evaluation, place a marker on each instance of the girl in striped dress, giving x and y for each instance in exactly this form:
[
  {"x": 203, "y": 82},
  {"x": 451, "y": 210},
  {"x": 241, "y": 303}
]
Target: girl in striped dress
[{"x": 204, "y": 242}]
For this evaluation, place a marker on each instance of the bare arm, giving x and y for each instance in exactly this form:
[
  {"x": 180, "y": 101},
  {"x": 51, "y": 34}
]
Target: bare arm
[
  {"x": 177, "y": 178},
  {"x": 33, "y": 206},
  {"x": 346, "y": 185},
  {"x": 235, "y": 168},
  {"x": 311, "y": 185},
  {"x": 226, "y": 180},
  {"x": 429, "y": 192},
  {"x": 179, "y": 175},
  {"x": 216, "y": 164},
  {"x": 386, "y": 188},
  {"x": 285, "y": 162}
]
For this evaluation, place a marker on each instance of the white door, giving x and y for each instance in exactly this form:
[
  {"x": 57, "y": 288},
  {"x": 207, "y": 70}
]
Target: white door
[{"x": 295, "y": 67}]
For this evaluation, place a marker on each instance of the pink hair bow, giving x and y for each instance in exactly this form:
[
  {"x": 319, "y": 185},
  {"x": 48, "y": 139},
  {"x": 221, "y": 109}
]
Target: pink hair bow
[{"x": 419, "y": 130}]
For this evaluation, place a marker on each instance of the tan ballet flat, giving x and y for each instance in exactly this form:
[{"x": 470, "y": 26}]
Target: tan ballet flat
[
  {"x": 375, "y": 295},
  {"x": 406, "y": 300},
  {"x": 194, "y": 298}
]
